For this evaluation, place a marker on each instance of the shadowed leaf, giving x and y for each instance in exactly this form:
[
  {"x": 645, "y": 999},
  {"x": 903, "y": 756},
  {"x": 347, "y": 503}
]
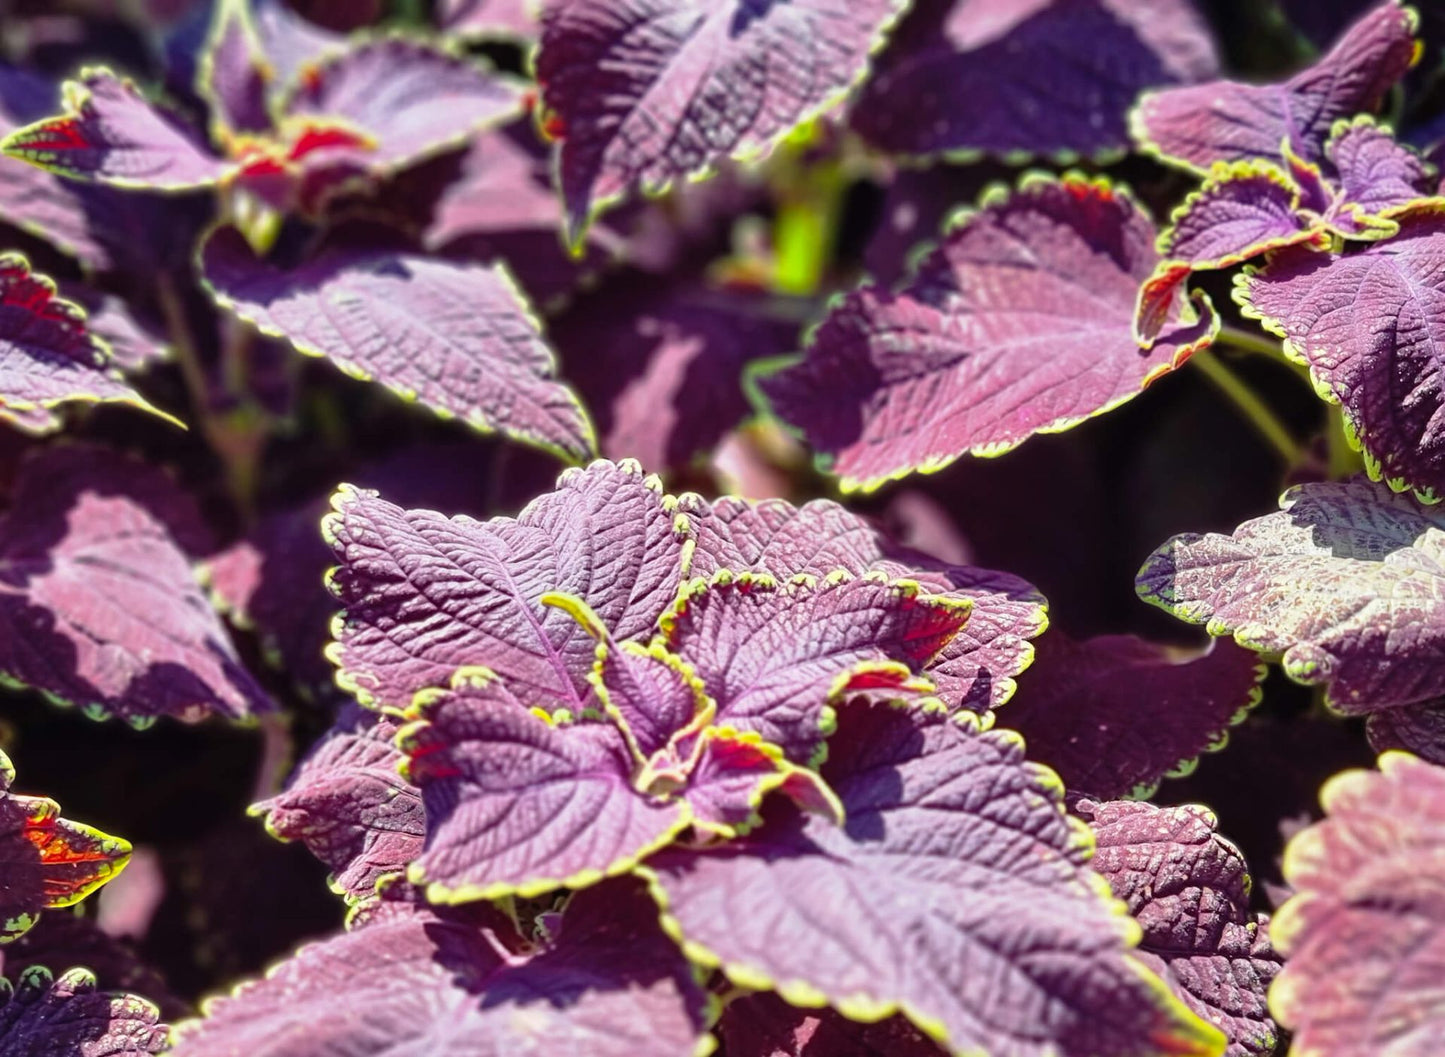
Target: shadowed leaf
[{"x": 45, "y": 1015}]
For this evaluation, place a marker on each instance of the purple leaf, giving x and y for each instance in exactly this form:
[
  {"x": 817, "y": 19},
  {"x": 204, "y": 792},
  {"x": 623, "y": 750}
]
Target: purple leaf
[
  {"x": 290, "y": 42},
  {"x": 975, "y": 671},
  {"x": 734, "y": 772},
  {"x": 1378, "y": 175},
  {"x": 1417, "y": 728},
  {"x": 644, "y": 92},
  {"x": 763, "y": 1025},
  {"x": 111, "y": 133},
  {"x": 100, "y": 606},
  {"x": 48, "y": 357},
  {"x": 407, "y": 99},
  {"x": 1189, "y": 890},
  {"x": 1342, "y": 584},
  {"x": 348, "y": 803},
  {"x": 606, "y": 536},
  {"x": 1242, "y": 210},
  {"x": 1027, "y": 76},
  {"x": 133, "y": 345},
  {"x": 517, "y": 805},
  {"x": 1196, "y": 126},
  {"x": 47, "y": 861},
  {"x": 457, "y": 338},
  {"x": 233, "y": 73},
  {"x": 777, "y": 657},
  {"x": 956, "y": 893},
  {"x": 651, "y": 694},
  {"x": 611, "y": 985},
  {"x": 1363, "y": 933},
  {"x": 42, "y": 1015},
  {"x": 490, "y": 19},
  {"x": 1020, "y": 322},
  {"x": 1370, "y": 326},
  {"x": 1114, "y": 715}
]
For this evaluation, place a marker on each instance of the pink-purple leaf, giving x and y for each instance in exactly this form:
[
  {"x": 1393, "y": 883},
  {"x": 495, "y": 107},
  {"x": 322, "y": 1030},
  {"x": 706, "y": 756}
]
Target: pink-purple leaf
[
  {"x": 44, "y": 1015},
  {"x": 111, "y": 133},
  {"x": 606, "y": 536},
  {"x": 611, "y": 985},
  {"x": 1027, "y": 76},
  {"x": 348, "y": 803},
  {"x": 956, "y": 893},
  {"x": 1364, "y": 933},
  {"x": 1114, "y": 715},
  {"x": 645, "y": 92},
  {"x": 763, "y": 1025},
  {"x": 1189, "y": 890},
  {"x": 1344, "y": 585},
  {"x": 233, "y": 74},
  {"x": 490, "y": 19},
  {"x": 1377, "y": 174},
  {"x": 1240, "y": 211},
  {"x": 652, "y": 694},
  {"x": 99, "y": 605},
  {"x": 48, "y": 356},
  {"x": 776, "y": 657},
  {"x": 1198, "y": 125},
  {"x": 457, "y": 338},
  {"x": 1020, "y": 322},
  {"x": 1371, "y": 326}
]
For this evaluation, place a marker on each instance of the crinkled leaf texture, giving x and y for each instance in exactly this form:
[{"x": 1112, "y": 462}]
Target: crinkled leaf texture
[
  {"x": 1189, "y": 890},
  {"x": 1417, "y": 729},
  {"x": 98, "y": 603},
  {"x": 763, "y": 1025},
  {"x": 956, "y": 893},
  {"x": 408, "y": 982},
  {"x": 1371, "y": 327},
  {"x": 1198, "y": 125},
  {"x": 42, "y": 1015},
  {"x": 1114, "y": 715},
  {"x": 1027, "y": 76},
  {"x": 45, "y": 860},
  {"x": 1364, "y": 933},
  {"x": 644, "y": 92},
  {"x": 110, "y": 132},
  {"x": 1343, "y": 584},
  {"x": 1377, "y": 174},
  {"x": 348, "y": 803},
  {"x": 69, "y": 938},
  {"x": 1019, "y": 322},
  {"x": 48, "y": 355},
  {"x": 457, "y": 338}
]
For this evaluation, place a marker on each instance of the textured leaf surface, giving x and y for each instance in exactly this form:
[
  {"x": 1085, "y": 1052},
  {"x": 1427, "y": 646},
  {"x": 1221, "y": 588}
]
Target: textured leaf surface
[
  {"x": 1417, "y": 729},
  {"x": 65, "y": 1016},
  {"x": 775, "y": 656},
  {"x": 233, "y": 72},
  {"x": 406, "y": 98},
  {"x": 648, "y": 91},
  {"x": 99, "y": 606},
  {"x": 63, "y": 940},
  {"x": 112, "y": 133},
  {"x": 1376, "y": 173},
  {"x": 1241, "y": 211},
  {"x": 48, "y": 356},
  {"x": 1027, "y": 76},
  {"x": 1344, "y": 584},
  {"x": 612, "y": 985},
  {"x": 1114, "y": 715},
  {"x": 975, "y": 670},
  {"x": 1198, "y": 125},
  {"x": 1189, "y": 890},
  {"x": 1020, "y": 322},
  {"x": 1365, "y": 931},
  {"x": 516, "y": 804},
  {"x": 1371, "y": 327},
  {"x": 456, "y": 338},
  {"x": 348, "y": 803},
  {"x": 45, "y": 860},
  {"x": 763, "y": 1025},
  {"x": 917, "y": 901},
  {"x": 426, "y": 595}
]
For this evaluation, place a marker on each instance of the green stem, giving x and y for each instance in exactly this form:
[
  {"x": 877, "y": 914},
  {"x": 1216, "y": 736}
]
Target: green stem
[
  {"x": 1345, "y": 461},
  {"x": 1248, "y": 404},
  {"x": 1250, "y": 341}
]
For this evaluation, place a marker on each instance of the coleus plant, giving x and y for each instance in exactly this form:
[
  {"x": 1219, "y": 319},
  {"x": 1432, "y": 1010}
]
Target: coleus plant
[{"x": 601, "y": 763}]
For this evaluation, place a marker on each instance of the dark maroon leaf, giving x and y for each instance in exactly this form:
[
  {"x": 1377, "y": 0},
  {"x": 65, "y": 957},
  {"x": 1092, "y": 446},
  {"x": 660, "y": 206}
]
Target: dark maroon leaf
[
  {"x": 110, "y": 132},
  {"x": 1363, "y": 933},
  {"x": 348, "y": 803},
  {"x": 1370, "y": 325},
  {"x": 763, "y": 1025},
  {"x": 457, "y": 338},
  {"x": 956, "y": 892},
  {"x": 1020, "y": 322},
  {"x": 1189, "y": 890},
  {"x": 1027, "y": 76},
  {"x": 611, "y": 985},
  {"x": 1199, "y": 125},
  {"x": 1417, "y": 728},
  {"x": 488, "y": 19},
  {"x": 645, "y": 92},
  {"x": 65, "y": 1016},
  {"x": 1114, "y": 715},
  {"x": 1342, "y": 585}
]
